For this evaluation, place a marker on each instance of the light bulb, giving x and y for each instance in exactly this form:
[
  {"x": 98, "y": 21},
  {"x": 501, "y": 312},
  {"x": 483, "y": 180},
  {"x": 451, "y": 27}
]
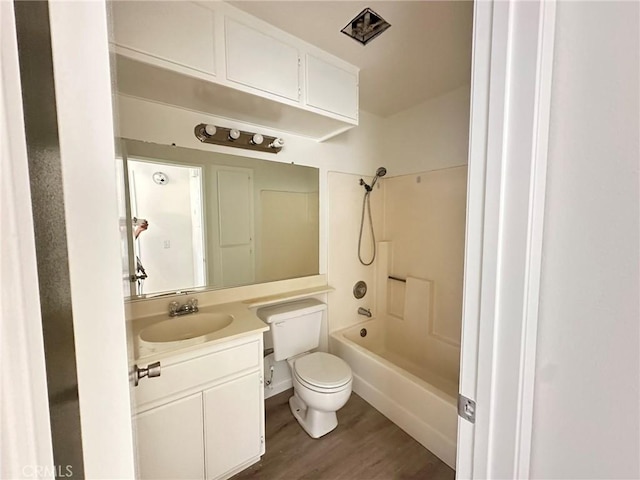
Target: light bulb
[
  {"x": 277, "y": 143},
  {"x": 257, "y": 139},
  {"x": 234, "y": 134},
  {"x": 210, "y": 130}
]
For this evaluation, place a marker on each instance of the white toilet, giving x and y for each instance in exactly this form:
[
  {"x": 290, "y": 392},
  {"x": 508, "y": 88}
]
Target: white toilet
[{"x": 321, "y": 381}]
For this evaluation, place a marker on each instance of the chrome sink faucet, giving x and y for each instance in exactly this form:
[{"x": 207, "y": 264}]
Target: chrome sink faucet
[{"x": 190, "y": 306}]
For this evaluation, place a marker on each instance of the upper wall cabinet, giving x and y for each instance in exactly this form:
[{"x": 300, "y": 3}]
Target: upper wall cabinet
[
  {"x": 331, "y": 88},
  {"x": 214, "y": 58},
  {"x": 178, "y": 32},
  {"x": 261, "y": 61}
]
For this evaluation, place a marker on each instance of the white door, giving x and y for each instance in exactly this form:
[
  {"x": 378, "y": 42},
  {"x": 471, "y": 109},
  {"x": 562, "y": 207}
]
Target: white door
[
  {"x": 234, "y": 424},
  {"x": 170, "y": 440}
]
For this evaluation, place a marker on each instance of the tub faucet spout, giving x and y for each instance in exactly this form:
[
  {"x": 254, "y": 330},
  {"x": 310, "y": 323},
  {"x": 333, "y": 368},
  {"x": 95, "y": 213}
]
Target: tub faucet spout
[{"x": 364, "y": 311}]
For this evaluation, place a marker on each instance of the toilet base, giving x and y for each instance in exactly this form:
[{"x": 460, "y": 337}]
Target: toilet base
[{"x": 314, "y": 422}]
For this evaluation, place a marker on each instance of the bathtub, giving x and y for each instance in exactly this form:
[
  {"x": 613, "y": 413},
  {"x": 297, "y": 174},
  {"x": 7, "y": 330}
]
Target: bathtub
[{"x": 417, "y": 399}]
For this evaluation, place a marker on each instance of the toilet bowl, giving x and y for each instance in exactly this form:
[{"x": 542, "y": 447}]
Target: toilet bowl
[{"x": 322, "y": 385}]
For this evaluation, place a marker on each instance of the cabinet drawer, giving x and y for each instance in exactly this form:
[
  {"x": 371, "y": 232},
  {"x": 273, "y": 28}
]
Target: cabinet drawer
[{"x": 188, "y": 375}]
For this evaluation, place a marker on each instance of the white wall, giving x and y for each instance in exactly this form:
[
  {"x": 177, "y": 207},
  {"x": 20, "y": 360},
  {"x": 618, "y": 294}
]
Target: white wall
[
  {"x": 429, "y": 136},
  {"x": 586, "y": 410}
]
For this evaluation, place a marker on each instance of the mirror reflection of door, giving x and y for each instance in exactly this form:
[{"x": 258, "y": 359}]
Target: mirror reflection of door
[
  {"x": 231, "y": 218},
  {"x": 171, "y": 250}
]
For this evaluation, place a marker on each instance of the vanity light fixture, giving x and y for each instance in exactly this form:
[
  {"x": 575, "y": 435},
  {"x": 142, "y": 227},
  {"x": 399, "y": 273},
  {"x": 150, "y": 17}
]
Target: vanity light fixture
[
  {"x": 232, "y": 137},
  {"x": 210, "y": 130},
  {"x": 234, "y": 134},
  {"x": 277, "y": 143}
]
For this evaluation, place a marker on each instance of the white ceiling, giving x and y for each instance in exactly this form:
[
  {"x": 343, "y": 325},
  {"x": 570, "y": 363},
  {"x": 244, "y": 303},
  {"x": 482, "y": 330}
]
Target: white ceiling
[{"x": 425, "y": 53}]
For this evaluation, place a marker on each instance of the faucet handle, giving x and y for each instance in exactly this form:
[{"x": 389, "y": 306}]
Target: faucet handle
[
  {"x": 173, "y": 307},
  {"x": 193, "y": 302}
]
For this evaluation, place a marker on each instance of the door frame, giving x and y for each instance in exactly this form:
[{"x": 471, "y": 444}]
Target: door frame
[{"x": 509, "y": 128}]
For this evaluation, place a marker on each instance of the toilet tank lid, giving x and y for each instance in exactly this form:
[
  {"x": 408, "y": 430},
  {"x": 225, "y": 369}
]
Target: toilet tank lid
[{"x": 284, "y": 311}]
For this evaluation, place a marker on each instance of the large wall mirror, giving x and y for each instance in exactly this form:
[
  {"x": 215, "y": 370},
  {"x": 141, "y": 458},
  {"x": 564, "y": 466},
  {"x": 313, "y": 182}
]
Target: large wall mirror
[{"x": 202, "y": 220}]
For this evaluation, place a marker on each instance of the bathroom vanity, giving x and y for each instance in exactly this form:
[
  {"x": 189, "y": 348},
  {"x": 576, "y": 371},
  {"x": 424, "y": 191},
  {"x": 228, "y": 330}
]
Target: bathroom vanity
[{"x": 203, "y": 416}]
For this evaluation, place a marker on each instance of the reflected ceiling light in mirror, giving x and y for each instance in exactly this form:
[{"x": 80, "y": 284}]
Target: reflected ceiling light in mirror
[{"x": 232, "y": 137}]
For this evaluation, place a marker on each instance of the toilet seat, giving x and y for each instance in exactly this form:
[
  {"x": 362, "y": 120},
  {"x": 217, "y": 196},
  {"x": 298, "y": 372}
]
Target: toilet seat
[{"x": 322, "y": 372}]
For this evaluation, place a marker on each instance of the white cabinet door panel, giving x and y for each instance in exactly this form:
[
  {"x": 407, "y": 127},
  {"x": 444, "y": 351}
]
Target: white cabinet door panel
[
  {"x": 233, "y": 424},
  {"x": 331, "y": 88},
  {"x": 260, "y": 61},
  {"x": 179, "y": 32},
  {"x": 170, "y": 440}
]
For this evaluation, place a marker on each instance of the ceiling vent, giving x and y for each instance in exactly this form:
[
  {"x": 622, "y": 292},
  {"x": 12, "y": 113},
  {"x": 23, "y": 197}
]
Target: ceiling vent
[{"x": 366, "y": 26}]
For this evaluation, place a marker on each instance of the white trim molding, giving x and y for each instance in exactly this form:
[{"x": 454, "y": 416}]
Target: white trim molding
[
  {"x": 79, "y": 41},
  {"x": 512, "y": 71},
  {"x": 25, "y": 436}
]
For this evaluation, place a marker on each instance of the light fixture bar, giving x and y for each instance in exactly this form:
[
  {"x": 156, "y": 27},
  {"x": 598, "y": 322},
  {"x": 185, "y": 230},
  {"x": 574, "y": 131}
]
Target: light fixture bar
[{"x": 231, "y": 137}]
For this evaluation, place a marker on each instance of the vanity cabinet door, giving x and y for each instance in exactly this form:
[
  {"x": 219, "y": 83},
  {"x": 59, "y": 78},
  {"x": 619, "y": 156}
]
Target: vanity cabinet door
[
  {"x": 234, "y": 424},
  {"x": 170, "y": 440}
]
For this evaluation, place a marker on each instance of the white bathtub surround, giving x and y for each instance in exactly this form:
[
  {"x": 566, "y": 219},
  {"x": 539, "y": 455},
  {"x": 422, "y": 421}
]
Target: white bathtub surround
[
  {"x": 344, "y": 269},
  {"x": 415, "y": 398},
  {"x": 424, "y": 225},
  {"x": 408, "y": 364}
]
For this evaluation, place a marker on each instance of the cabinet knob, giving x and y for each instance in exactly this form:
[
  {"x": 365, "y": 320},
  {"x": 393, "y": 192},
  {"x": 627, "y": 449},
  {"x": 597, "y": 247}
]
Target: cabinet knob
[{"x": 151, "y": 370}]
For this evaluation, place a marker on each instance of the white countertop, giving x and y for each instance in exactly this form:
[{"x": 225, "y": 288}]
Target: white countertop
[{"x": 244, "y": 323}]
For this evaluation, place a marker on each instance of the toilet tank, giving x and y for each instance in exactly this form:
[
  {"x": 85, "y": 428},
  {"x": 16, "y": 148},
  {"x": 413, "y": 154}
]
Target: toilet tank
[{"x": 295, "y": 326}]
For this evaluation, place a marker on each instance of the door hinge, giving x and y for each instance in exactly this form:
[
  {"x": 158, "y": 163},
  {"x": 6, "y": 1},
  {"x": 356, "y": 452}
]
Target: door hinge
[{"x": 466, "y": 408}]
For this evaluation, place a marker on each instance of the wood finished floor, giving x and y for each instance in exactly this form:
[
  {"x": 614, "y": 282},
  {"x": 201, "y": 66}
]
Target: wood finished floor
[{"x": 364, "y": 446}]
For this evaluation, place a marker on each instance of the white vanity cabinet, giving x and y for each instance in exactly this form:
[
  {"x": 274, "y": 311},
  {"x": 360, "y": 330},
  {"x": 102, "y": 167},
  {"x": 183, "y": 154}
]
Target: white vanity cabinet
[
  {"x": 235, "y": 433},
  {"x": 170, "y": 441},
  {"x": 203, "y": 418}
]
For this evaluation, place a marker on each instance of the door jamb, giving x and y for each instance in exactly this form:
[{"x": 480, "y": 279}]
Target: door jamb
[{"x": 509, "y": 129}]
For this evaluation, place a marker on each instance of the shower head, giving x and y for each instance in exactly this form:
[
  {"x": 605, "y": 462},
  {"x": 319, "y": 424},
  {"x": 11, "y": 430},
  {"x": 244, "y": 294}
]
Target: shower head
[{"x": 380, "y": 172}]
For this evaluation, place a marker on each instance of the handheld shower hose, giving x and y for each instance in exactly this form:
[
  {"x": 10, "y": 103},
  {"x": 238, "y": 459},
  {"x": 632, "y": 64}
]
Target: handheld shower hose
[{"x": 366, "y": 205}]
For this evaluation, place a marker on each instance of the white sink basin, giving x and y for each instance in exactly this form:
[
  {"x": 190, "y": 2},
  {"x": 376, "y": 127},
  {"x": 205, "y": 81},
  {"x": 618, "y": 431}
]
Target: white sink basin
[{"x": 186, "y": 327}]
